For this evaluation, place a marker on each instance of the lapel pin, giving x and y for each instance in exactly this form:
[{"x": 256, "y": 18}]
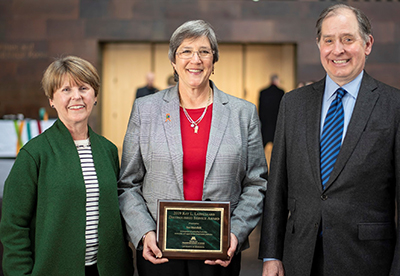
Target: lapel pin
[{"x": 168, "y": 117}]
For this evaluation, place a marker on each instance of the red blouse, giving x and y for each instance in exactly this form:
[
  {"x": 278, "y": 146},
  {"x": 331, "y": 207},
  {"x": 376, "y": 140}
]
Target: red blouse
[{"x": 194, "y": 147}]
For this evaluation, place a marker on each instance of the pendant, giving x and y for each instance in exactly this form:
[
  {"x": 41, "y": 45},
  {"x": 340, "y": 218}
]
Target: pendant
[
  {"x": 192, "y": 125},
  {"x": 196, "y": 128}
]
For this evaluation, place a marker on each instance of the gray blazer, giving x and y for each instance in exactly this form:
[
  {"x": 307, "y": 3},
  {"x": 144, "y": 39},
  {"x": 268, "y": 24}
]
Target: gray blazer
[
  {"x": 357, "y": 208},
  {"x": 152, "y": 159}
]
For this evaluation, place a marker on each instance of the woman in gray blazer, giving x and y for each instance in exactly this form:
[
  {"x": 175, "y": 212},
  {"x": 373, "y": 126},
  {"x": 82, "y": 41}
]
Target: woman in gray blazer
[{"x": 191, "y": 142}]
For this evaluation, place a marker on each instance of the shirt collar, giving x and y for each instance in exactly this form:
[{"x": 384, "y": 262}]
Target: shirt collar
[{"x": 352, "y": 87}]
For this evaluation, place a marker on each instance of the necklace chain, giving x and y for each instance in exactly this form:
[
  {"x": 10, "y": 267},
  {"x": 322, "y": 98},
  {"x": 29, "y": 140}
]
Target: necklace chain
[{"x": 195, "y": 124}]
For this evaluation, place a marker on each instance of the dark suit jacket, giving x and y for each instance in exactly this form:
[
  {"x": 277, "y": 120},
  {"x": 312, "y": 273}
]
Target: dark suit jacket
[
  {"x": 144, "y": 91},
  {"x": 357, "y": 208},
  {"x": 268, "y": 108}
]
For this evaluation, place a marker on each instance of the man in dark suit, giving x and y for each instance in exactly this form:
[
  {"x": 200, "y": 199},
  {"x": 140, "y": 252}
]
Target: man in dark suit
[
  {"x": 268, "y": 107},
  {"x": 149, "y": 88},
  {"x": 338, "y": 220}
]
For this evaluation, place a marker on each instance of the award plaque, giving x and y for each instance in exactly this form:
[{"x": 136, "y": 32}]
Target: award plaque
[{"x": 193, "y": 229}]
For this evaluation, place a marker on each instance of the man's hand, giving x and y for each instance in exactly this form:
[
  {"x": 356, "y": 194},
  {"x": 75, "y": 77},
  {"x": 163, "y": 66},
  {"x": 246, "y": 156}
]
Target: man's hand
[
  {"x": 151, "y": 252},
  {"x": 273, "y": 268},
  {"x": 231, "y": 251}
]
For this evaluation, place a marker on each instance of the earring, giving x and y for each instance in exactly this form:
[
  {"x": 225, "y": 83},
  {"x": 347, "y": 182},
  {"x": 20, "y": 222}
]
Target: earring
[
  {"x": 95, "y": 103},
  {"x": 212, "y": 71},
  {"x": 52, "y": 106}
]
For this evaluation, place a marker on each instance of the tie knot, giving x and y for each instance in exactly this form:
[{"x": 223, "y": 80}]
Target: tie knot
[{"x": 340, "y": 92}]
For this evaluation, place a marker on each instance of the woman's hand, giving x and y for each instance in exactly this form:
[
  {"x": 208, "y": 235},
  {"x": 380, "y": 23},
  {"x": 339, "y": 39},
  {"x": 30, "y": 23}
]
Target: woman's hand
[
  {"x": 151, "y": 252},
  {"x": 231, "y": 252}
]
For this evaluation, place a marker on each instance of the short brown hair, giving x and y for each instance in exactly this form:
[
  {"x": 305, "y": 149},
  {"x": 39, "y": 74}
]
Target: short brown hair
[{"x": 78, "y": 69}]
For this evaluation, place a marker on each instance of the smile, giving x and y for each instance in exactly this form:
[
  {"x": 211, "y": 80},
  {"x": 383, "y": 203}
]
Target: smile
[
  {"x": 75, "y": 107},
  {"x": 340, "y": 61},
  {"x": 195, "y": 70}
]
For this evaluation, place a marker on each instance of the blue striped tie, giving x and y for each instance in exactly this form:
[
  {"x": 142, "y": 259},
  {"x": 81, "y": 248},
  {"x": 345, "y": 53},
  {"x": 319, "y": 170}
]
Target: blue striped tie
[{"x": 331, "y": 138}]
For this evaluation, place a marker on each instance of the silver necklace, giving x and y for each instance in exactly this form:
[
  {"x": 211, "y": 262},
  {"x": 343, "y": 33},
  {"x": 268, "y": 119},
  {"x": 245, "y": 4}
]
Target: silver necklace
[{"x": 195, "y": 124}]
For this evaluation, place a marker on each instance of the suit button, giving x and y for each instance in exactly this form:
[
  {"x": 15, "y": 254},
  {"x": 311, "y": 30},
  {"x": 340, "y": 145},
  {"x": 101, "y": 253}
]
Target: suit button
[{"x": 324, "y": 197}]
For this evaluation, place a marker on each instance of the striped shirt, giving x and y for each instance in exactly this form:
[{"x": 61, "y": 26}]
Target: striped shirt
[{"x": 92, "y": 200}]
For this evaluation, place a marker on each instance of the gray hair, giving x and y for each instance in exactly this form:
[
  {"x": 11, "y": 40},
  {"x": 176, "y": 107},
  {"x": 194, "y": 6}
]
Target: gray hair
[
  {"x": 274, "y": 78},
  {"x": 364, "y": 25},
  {"x": 192, "y": 29}
]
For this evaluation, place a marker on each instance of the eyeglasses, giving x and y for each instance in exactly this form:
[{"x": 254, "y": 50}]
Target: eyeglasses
[{"x": 187, "y": 54}]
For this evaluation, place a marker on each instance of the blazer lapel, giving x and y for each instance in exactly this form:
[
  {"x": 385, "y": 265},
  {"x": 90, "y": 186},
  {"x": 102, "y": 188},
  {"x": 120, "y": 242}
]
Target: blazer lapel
[
  {"x": 363, "y": 108},
  {"x": 313, "y": 121},
  {"x": 171, "y": 120},
  {"x": 219, "y": 123}
]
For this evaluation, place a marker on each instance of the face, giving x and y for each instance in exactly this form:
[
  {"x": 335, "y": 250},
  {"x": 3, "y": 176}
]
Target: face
[
  {"x": 194, "y": 72},
  {"x": 73, "y": 102},
  {"x": 342, "y": 50}
]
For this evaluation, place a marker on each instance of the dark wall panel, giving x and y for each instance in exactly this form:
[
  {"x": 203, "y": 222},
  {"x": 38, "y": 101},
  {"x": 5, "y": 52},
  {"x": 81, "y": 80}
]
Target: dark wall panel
[{"x": 32, "y": 33}]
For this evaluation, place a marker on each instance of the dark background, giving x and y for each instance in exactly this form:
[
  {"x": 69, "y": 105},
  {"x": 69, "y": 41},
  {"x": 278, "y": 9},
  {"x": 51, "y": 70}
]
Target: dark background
[{"x": 33, "y": 32}]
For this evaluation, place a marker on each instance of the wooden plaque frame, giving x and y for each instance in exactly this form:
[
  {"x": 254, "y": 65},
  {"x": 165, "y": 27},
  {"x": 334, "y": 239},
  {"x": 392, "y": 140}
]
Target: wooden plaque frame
[{"x": 193, "y": 229}]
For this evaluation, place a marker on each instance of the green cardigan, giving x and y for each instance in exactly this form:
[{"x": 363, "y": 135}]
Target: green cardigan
[{"x": 44, "y": 209}]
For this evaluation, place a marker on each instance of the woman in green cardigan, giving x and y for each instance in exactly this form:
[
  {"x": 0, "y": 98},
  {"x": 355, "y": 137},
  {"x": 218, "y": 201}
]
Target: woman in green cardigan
[{"x": 60, "y": 203}]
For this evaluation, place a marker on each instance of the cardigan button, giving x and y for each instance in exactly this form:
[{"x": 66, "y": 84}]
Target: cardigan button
[{"x": 324, "y": 197}]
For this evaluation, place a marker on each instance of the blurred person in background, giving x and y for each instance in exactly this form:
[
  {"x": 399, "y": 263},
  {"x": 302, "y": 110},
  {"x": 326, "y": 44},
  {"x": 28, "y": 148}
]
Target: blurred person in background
[
  {"x": 268, "y": 108},
  {"x": 149, "y": 88}
]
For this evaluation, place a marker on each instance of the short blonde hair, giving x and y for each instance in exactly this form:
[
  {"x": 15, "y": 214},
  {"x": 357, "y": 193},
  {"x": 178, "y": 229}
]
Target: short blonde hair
[{"x": 77, "y": 69}]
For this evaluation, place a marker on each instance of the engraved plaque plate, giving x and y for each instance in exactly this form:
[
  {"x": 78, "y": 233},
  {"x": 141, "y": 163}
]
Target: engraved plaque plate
[{"x": 193, "y": 229}]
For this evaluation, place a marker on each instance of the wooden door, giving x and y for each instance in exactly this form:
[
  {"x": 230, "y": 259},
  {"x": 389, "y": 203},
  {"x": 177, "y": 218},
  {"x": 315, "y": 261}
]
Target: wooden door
[{"x": 122, "y": 73}]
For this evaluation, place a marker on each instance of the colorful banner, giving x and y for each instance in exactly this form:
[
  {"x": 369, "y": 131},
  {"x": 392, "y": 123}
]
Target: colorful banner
[{"x": 15, "y": 133}]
